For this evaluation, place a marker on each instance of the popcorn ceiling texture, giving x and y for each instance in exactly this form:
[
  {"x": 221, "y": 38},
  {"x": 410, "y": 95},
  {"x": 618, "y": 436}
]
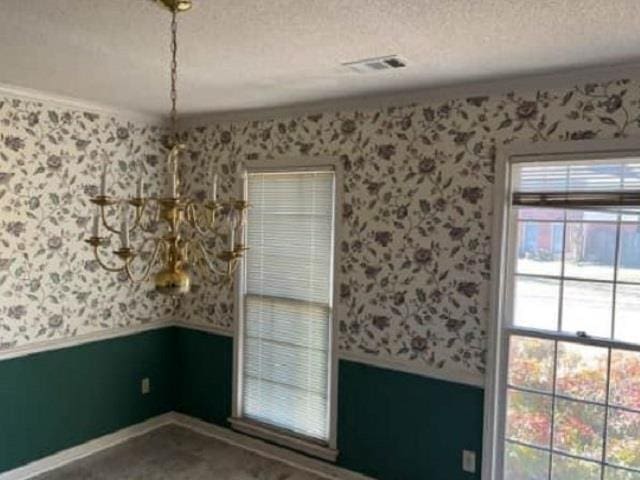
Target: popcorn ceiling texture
[
  {"x": 50, "y": 163},
  {"x": 414, "y": 255}
]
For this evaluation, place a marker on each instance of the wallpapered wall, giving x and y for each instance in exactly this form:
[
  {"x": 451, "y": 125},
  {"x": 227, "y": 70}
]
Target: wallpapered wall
[
  {"x": 50, "y": 163},
  {"x": 416, "y": 220},
  {"x": 415, "y": 247}
]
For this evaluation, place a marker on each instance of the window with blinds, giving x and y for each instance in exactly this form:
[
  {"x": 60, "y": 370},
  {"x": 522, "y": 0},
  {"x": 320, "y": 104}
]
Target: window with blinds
[
  {"x": 571, "y": 380},
  {"x": 287, "y": 301}
]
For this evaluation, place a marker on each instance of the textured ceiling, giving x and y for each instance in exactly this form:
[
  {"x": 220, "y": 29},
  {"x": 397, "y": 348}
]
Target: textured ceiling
[{"x": 250, "y": 54}]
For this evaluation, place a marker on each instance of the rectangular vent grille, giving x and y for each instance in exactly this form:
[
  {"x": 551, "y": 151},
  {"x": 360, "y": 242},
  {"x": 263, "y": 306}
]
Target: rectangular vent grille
[{"x": 368, "y": 65}]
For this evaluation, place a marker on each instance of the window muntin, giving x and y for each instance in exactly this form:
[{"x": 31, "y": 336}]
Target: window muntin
[
  {"x": 572, "y": 326},
  {"x": 286, "y": 354}
]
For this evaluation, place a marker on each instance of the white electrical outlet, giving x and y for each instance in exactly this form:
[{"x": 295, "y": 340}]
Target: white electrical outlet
[
  {"x": 469, "y": 461},
  {"x": 145, "y": 386}
]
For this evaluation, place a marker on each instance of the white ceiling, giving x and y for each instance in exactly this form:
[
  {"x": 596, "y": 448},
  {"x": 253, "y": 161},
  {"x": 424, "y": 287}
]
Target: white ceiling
[{"x": 252, "y": 54}]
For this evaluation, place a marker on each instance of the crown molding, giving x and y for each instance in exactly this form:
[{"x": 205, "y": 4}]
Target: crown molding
[
  {"x": 427, "y": 94},
  {"x": 420, "y": 95},
  {"x": 62, "y": 101}
]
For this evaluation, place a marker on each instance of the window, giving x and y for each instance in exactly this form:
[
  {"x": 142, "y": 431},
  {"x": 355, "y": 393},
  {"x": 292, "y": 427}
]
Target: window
[
  {"x": 285, "y": 356},
  {"x": 569, "y": 357}
]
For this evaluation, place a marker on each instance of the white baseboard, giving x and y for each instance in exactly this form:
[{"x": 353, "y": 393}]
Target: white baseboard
[
  {"x": 226, "y": 435},
  {"x": 80, "y": 451}
]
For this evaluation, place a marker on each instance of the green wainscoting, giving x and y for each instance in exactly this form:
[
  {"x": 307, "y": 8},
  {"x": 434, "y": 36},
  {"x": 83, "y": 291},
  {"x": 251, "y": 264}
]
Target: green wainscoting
[
  {"x": 398, "y": 426},
  {"x": 205, "y": 375},
  {"x": 391, "y": 425},
  {"x": 58, "y": 399}
]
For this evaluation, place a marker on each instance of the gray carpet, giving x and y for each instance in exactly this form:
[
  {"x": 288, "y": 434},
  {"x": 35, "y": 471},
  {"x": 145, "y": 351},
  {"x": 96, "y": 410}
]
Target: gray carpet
[{"x": 173, "y": 452}]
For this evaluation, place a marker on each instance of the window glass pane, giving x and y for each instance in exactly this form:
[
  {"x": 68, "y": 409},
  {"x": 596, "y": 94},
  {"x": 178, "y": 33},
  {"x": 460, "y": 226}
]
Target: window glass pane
[
  {"x": 630, "y": 215},
  {"x": 575, "y": 176},
  {"x": 536, "y": 303},
  {"x": 591, "y": 216},
  {"x": 578, "y": 428},
  {"x": 590, "y": 250},
  {"x": 631, "y": 176},
  {"x": 287, "y": 321},
  {"x": 627, "y": 322},
  {"x": 566, "y": 468},
  {"x": 587, "y": 307},
  {"x": 582, "y": 371},
  {"x": 285, "y": 364},
  {"x": 620, "y": 474},
  {"x": 625, "y": 379},
  {"x": 265, "y": 401},
  {"x": 539, "y": 248},
  {"x": 629, "y": 261},
  {"x": 548, "y": 214},
  {"x": 529, "y": 418},
  {"x": 531, "y": 363},
  {"x": 524, "y": 463},
  {"x": 289, "y": 233},
  {"x": 623, "y": 438}
]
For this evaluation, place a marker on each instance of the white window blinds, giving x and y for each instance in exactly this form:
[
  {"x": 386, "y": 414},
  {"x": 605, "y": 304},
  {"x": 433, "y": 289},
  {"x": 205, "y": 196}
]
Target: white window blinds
[
  {"x": 578, "y": 184},
  {"x": 288, "y": 301}
]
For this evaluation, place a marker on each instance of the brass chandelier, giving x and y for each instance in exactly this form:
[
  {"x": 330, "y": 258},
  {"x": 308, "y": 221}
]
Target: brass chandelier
[{"x": 188, "y": 225}]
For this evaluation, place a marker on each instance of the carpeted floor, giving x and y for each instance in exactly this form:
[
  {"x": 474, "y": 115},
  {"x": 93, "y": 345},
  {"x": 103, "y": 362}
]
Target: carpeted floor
[{"x": 174, "y": 452}]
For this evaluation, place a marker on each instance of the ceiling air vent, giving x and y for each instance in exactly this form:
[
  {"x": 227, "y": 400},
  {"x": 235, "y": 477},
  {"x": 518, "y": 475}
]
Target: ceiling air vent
[{"x": 377, "y": 64}]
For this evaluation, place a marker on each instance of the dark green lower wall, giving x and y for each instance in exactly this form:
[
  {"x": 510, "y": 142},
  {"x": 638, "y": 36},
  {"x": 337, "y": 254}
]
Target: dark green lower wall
[
  {"x": 205, "y": 375},
  {"x": 391, "y": 425},
  {"x": 54, "y": 400},
  {"x": 398, "y": 426}
]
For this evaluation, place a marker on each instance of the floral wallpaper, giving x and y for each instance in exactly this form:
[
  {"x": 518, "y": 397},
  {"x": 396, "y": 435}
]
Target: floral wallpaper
[
  {"x": 414, "y": 275},
  {"x": 414, "y": 251},
  {"x": 50, "y": 163}
]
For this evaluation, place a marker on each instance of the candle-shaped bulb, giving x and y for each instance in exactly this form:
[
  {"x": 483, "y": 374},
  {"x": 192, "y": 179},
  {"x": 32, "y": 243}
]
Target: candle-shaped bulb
[
  {"x": 233, "y": 223},
  {"x": 103, "y": 179},
  {"x": 214, "y": 188},
  {"x": 232, "y": 237},
  {"x": 96, "y": 223},
  {"x": 174, "y": 183},
  {"x": 124, "y": 228},
  {"x": 140, "y": 186}
]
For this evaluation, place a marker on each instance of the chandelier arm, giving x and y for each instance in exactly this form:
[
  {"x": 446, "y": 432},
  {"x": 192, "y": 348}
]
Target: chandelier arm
[
  {"x": 136, "y": 222},
  {"x": 195, "y": 259},
  {"x": 147, "y": 270},
  {"x": 156, "y": 220},
  {"x": 207, "y": 261},
  {"x": 104, "y": 265},
  {"x": 204, "y": 267},
  {"x": 192, "y": 217}
]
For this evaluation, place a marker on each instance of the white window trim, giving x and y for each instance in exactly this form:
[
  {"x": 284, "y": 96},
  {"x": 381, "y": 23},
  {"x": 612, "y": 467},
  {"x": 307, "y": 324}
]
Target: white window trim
[
  {"x": 494, "y": 398},
  {"x": 326, "y": 451}
]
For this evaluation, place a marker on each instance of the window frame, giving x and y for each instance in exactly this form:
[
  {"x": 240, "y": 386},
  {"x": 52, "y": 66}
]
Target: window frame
[
  {"x": 500, "y": 328},
  {"x": 326, "y": 451}
]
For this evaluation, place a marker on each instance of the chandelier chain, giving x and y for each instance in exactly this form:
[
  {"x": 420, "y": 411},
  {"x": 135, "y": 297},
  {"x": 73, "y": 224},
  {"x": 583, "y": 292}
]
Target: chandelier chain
[{"x": 174, "y": 74}]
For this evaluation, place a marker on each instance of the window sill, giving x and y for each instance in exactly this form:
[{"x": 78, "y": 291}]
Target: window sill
[{"x": 300, "y": 444}]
